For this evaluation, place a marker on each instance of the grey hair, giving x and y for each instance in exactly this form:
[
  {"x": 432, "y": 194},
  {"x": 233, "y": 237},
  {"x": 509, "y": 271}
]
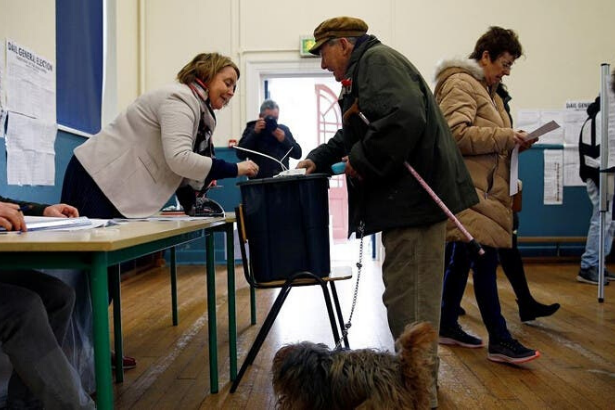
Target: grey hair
[
  {"x": 269, "y": 105},
  {"x": 351, "y": 40}
]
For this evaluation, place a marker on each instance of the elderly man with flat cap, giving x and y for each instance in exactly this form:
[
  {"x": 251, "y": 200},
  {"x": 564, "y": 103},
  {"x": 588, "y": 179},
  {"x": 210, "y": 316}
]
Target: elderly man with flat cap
[{"x": 390, "y": 117}]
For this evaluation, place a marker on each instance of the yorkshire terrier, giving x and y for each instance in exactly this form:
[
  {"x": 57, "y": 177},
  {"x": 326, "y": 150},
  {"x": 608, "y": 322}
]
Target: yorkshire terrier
[{"x": 311, "y": 376}]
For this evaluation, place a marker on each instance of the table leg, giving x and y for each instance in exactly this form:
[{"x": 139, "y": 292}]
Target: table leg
[
  {"x": 174, "y": 286},
  {"x": 211, "y": 311},
  {"x": 102, "y": 357},
  {"x": 232, "y": 314},
  {"x": 118, "y": 335}
]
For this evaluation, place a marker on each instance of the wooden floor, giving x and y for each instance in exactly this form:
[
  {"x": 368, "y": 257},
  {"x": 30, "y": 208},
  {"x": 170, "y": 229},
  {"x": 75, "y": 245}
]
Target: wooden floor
[{"x": 576, "y": 370}]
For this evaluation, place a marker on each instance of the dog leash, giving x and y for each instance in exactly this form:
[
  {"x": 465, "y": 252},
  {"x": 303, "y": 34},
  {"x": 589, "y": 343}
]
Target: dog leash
[{"x": 359, "y": 265}]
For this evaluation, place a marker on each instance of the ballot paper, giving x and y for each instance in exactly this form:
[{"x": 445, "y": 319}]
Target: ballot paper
[
  {"x": 548, "y": 127},
  {"x": 514, "y": 157}
]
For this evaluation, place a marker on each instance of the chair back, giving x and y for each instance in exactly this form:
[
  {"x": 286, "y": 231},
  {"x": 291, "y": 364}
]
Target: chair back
[{"x": 243, "y": 240}]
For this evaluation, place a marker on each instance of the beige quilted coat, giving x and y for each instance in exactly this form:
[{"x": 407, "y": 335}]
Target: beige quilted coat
[{"x": 482, "y": 129}]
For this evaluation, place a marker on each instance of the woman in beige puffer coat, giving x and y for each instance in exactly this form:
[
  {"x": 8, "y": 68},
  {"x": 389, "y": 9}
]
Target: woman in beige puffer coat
[{"x": 466, "y": 91}]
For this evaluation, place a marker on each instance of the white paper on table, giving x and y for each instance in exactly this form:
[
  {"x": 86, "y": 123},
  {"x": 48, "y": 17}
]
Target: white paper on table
[
  {"x": 48, "y": 223},
  {"x": 554, "y": 178}
]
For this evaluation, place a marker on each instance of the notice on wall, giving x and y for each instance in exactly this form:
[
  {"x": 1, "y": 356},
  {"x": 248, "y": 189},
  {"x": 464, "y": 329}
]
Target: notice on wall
[
  {"x": 611, "y": 123},
  {"x": 2, "y": 75},
  {"x": 2, "y": 111},
  {"x": 554, "y": 177},
  {"x": 30, "y": 91},
  {"x": 575, "y": 115},
  {"x": 30, "y": 83},
  {"x": 3, "y": 115},
  {"x": 30, "y": 151}
]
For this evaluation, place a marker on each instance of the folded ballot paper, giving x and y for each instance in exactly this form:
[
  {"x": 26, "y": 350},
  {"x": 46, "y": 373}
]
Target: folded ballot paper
[{"x": 45, "y": 223}]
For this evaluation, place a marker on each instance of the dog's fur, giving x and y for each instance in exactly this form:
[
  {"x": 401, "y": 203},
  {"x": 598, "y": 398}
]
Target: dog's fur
[{"x": 310, "y": 376}]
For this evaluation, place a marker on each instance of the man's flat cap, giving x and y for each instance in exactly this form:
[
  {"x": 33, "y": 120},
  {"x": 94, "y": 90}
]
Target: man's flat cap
[{"x": 337, "y": 27}]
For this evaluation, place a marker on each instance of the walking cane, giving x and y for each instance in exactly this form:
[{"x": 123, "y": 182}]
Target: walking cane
[{"x": 474, "y": 246}]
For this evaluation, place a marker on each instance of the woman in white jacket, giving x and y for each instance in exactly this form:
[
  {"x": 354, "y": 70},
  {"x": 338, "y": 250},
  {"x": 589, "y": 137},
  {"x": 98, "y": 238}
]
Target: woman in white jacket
[{"x": 162, "y": 141}]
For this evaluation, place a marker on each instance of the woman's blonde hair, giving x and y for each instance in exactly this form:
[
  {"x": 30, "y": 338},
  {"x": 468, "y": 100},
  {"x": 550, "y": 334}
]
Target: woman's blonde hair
[{"x": 204, "y": 67}]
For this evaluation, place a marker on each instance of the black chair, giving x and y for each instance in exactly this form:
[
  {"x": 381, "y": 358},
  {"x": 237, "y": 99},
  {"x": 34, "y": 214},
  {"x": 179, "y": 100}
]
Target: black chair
[{"x": 295, "y": 280}]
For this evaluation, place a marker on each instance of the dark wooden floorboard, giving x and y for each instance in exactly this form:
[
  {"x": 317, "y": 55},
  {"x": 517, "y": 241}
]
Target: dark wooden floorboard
[{"x": 576, "y": 370}]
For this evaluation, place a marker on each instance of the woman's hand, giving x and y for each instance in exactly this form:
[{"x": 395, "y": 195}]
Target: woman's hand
[
  {"x": 521, "y": 139},
  {"x": 11, "y": 218},
  {"x": 61, "y": 210},
  {"x": 248, "y": 168}
]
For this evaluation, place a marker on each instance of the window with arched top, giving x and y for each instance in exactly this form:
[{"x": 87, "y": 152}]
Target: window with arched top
[
  {"x": 329, "y": 120},
  {"x": 328, "y": 112}
]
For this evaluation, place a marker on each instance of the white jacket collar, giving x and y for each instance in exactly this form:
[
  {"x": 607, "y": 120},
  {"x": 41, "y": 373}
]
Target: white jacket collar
[{"x": 468, "y": 64}]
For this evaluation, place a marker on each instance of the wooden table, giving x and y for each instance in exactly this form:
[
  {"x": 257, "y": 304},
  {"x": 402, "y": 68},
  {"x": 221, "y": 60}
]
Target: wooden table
[{"x": 95, "y": 250}]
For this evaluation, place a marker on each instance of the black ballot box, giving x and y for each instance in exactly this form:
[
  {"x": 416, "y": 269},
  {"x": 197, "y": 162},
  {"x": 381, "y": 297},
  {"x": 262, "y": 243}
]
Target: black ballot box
[{"x": 287, "y": 225}]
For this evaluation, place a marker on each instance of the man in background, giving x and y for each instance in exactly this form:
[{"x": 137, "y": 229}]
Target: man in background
[
  {"x": 267, "y": 136},
  {"x": 589, "y": 153}
]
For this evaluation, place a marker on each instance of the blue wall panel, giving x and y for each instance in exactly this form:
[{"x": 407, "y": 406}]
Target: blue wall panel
[
  {"x": 64, "y": 146},
  {"x": 536, "y": 219}
]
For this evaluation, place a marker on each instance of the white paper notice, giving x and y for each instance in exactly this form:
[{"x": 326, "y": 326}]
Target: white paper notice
[
  {"x": 30, "y": 83},
  {"x": 2, "y": 122},
  {"x": 528, "y": 120},
  {"x": 30, "y": 151},
  {"x": 1, "y": 76},
  {"x": 571, "y": 166},
  {"x": 611, "y": 132},
  {"x": 554, "y": 177},
  {"x": 514, "y": 171},
  {"x": 575, "y": 115},
  {"x": 573, "y": 121}
]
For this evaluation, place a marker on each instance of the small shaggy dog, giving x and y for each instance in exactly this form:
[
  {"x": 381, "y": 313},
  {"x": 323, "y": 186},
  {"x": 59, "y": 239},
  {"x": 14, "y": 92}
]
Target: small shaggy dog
[{"x": 310, "y": 376}]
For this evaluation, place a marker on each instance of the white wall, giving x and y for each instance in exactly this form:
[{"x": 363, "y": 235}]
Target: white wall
[
  {"x": 31, "y": 24},
  {"x": 564, "y": 41}
]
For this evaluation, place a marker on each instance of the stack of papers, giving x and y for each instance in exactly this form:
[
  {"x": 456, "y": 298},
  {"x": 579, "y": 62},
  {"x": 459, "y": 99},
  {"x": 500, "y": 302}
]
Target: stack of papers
[
  {"x": 42, "y": 223},
  {"x": 45, "y": 223}
]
